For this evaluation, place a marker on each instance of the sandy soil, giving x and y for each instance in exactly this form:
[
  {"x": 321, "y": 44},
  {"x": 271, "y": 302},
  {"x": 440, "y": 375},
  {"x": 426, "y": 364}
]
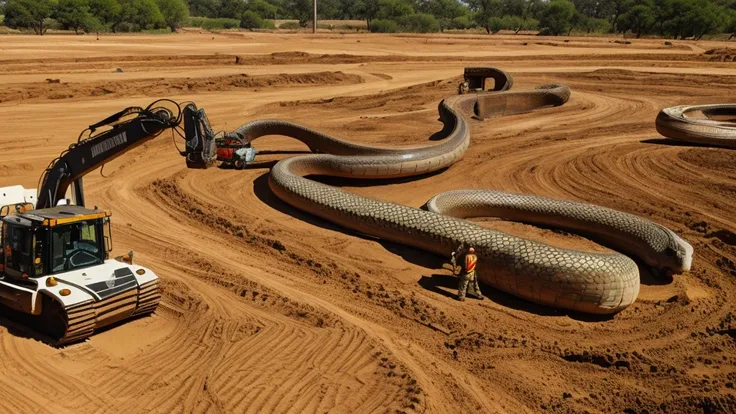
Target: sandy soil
[{"x": 268, "y": 309}]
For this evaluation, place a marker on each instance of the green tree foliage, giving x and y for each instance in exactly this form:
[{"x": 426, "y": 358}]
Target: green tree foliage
[
  {"x": 419, "y": 23},
  {"x": 75, "y": 15},
  {"x": 106, "y": 11},
  {"x": 29, "y": 14},
  {"x": 231, "y": 9},
  {"x": 494, "y": 24},
  {"x": 445, "y": 11},
  {"x": 204, "y": 8},
  {"x": 300, "y": 10},
  {"x": 138, "y": 15},
  {"x": 214, "y": 23},
  {"x": 251, "y": 20},
  {"x": 262, "y": 8},
  {"x": 394, "y": 9},
  {"x": 557, "y": 17},
  {"x": 462, "y": 22},
  {"x": 638, "y": 19},
  {"x": 175, "y": 12},
  {"x": 677, "y": 19},
  {"x": 485, "y": 10},
  {"x": 384, "y": 26}
]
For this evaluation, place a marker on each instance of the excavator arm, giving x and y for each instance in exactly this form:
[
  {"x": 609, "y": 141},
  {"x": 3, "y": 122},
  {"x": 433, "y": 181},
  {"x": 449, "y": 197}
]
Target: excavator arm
[{"x": 130, "y": 128}]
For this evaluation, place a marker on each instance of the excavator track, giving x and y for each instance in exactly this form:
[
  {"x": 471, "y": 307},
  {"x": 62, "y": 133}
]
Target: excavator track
[
  {"x": 149, "y": 295},
  {"x": 78, "y": 322}
]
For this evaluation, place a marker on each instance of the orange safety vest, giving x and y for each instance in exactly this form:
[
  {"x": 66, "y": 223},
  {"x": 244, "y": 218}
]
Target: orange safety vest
[{"x": 470, "y": 262}]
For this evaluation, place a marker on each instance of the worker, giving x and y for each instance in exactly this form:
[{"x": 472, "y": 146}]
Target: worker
[
  {"x": 469, "y": 277},
  {"x": 463, "y": 88}
]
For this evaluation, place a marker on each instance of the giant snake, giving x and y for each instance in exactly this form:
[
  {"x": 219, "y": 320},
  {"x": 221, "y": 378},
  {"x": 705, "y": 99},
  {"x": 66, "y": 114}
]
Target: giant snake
[{"x": 599, "y": 283}]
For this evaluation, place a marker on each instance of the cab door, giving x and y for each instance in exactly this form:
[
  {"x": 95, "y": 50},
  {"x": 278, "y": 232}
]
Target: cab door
[{"x": 17, "y": 248}]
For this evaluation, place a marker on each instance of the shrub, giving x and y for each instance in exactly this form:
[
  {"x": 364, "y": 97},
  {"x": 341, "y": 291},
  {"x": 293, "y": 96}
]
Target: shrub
[
  {"x": 512, "y": 23},
  {"x": 290, "y": 26},
  {"x": 213, "y": 24},
  {"x": 419, "y": 23},
  {"x": 495, "y": 24},
  {"x": 251, "y": 20},
  {"x": 269, "y": 24},
  {"x": 384, "y": 26},
  {"x": 461, "y": 22}
]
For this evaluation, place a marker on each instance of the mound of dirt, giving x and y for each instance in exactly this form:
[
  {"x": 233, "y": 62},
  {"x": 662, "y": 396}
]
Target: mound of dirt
[
  {"x": 725, "y": 54},
  {"x": 161, "y": 87}
]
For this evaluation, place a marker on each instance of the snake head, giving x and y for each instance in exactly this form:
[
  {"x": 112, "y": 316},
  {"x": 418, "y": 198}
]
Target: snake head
[{"x": 678, "y": 255}]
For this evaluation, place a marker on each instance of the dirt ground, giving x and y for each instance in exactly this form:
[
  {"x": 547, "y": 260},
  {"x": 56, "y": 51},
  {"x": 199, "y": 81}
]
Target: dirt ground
[{"x": 268, "y": 309}]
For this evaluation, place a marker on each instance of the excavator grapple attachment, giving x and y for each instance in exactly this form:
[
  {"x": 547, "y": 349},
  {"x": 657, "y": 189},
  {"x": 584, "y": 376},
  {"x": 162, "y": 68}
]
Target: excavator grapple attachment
[{"x": 201, "y": 151}]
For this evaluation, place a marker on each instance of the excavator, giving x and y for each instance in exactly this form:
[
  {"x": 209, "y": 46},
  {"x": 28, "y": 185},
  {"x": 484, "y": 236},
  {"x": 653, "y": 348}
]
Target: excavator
[{"x": 56, "y": 274}]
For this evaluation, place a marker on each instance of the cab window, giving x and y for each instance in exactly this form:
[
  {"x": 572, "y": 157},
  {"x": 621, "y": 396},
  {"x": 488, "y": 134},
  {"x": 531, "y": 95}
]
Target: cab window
[
  {"x": 76, "y": 245},
  {"x": 18, "y": 248}
]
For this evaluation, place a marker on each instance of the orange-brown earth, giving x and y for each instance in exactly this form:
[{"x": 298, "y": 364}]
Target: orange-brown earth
[{"x": 268, "y": 309}]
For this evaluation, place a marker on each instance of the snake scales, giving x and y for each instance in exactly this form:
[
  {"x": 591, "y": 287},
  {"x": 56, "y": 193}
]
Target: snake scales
[
  {"x": 574, "y": 280},
  {"x": 718, "y": 128}
]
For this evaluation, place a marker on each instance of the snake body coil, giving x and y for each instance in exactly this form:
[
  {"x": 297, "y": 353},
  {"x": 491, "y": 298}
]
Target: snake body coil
[
  {"x": 562, "y": 278},
  {"x": 717, "y": 128}
]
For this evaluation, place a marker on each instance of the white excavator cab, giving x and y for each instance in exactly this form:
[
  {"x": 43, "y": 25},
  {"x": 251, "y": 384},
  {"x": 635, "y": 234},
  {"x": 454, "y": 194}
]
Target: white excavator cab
[{"x": 55, "y": 267}]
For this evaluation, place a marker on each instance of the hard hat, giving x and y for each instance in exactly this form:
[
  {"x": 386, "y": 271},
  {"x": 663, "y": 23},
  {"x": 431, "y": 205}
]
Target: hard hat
[{"x": 471, "y": 250}]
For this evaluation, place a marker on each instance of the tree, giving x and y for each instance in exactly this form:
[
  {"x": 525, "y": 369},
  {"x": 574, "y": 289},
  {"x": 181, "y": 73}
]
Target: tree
[
  {"x": 703, "y": 18},
  {"x": 394, "y": 9},
  {"x": 368, "y": 10},
  {"x": 204, "y": 8},
  {"x": 462, "y": 22},
  {"x": 175, "y": 12},
  {"x": 23, "y": 14},
  {"x": 419, "y": 23},
  {"x": 638, "y": 19},
  {"x": 485, "y": 10},
  {"x": 384, "y": 26},
  {"x": 619, "y": 7},
  {"x": 262, "y": 8},
  {"x": 75, "y": 15},
  {"x": 445, "y": 11},
  {"x": 557, "y": 17},
  {"x": 494, "y": 25},
  {"x": 231, "y": 9},
  {"x": 730, "y": 23},
  {"x": 106, "y": 11},
  {"x": 300, "y": 9},
  {"x": 593, "y": 25},
  {"x": 251, "y": 20},
  {"x": 512, "y": 22},
  {"x": 139, "y": 15}
]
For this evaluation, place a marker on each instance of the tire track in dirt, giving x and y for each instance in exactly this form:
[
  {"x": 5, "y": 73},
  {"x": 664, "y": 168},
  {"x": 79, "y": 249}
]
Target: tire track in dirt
[{"x": 325, "y": 320}]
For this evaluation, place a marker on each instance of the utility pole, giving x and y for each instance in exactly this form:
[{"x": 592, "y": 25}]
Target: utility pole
[{"x": 314, "y": 17}]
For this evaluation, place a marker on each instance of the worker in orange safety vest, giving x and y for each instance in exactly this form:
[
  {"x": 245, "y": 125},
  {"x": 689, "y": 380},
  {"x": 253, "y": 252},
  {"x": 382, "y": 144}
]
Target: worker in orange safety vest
[{"x": 468, "y": 277}]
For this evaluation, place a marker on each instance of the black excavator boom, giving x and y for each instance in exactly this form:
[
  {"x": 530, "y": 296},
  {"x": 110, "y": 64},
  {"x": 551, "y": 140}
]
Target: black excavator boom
[
  {"x": 93, "y": 152},
  {"x": 128, "y": 129}
]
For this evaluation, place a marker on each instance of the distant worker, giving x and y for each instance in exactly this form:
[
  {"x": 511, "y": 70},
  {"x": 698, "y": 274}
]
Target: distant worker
[
  {"x": 463, "y": 88},
  {"x": 468, "y": 277}
]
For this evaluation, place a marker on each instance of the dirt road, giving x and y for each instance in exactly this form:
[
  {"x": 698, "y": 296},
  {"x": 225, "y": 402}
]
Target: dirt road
[{"x": 268, "y": 309}]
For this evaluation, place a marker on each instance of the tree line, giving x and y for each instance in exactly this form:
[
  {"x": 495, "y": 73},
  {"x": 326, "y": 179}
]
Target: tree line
[{"x": 670, "y": 18}]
